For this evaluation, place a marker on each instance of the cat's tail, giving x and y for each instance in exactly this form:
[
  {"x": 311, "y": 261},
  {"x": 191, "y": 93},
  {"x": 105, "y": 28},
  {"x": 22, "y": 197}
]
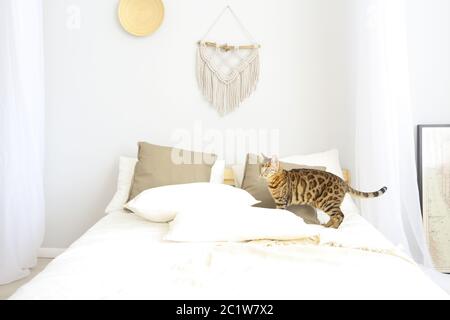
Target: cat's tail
[{"x": 366, "y": 194}]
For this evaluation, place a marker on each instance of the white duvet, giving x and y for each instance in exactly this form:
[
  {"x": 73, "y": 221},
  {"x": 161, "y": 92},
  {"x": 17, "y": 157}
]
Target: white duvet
[{"x": 125, "y": 257}]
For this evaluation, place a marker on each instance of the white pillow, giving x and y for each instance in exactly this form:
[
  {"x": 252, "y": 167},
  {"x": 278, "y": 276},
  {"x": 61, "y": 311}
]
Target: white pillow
[
  {"x": 238, "y": 172},
  {"x": 235, "y": 224},
  {"x": 125, "y": 179},
  {"x": 218, "y": 172},
  {"x": 164, "y": 203},
  {"x": 327, "y": 159}
]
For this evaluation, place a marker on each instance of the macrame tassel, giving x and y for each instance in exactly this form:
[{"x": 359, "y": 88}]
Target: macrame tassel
[{"x": 226, "y": 93}]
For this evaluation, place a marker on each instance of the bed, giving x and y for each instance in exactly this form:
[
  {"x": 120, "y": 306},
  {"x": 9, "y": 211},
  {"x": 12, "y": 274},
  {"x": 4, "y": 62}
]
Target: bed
[{"x": 125, "y": 257}]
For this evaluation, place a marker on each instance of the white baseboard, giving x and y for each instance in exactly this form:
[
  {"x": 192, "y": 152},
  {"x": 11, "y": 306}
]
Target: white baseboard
[{"x": 50, "y": 253}]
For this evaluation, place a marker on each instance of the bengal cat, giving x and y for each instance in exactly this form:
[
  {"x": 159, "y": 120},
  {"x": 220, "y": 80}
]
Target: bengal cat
[{"x": 319, "y": 189}]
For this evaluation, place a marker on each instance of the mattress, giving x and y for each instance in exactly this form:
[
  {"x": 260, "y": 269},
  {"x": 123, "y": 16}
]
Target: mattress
[{"x": 125, "y": 257}]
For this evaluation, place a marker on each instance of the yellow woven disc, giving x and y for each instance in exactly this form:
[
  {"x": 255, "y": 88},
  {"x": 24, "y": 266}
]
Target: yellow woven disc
[{"x": 141, "y": 17}]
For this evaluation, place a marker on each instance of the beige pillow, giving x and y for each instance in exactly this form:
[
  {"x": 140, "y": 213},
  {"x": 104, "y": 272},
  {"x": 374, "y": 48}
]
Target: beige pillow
[
  {"x": 257, "y": 187},
  {"x": 156, "y": 167}
]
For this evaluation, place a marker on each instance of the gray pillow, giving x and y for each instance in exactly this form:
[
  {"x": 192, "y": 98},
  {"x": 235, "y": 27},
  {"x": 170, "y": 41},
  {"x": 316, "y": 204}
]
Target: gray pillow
[
  {"x": 156, "y": 167},
  {"x": 257, "y": 187}
]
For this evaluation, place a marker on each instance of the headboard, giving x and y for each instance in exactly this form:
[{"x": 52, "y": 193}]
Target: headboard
[{"x": 229, "y": 176}]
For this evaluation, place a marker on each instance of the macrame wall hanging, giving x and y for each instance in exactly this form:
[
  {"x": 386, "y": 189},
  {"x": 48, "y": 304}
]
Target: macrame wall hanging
[{"x": 227, "y": 74}]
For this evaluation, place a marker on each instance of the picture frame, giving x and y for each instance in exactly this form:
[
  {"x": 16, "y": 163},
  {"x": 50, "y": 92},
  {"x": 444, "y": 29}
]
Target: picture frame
[{"x": 433, "y": 155}]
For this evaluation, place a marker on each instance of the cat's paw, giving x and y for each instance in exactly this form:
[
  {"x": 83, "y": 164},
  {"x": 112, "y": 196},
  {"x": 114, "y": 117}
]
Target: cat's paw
[{"x": 322, "y": 217}]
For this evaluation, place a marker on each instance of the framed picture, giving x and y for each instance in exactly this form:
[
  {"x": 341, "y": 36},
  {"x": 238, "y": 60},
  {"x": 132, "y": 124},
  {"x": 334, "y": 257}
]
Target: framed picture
[{"x": 434, "y": 183}]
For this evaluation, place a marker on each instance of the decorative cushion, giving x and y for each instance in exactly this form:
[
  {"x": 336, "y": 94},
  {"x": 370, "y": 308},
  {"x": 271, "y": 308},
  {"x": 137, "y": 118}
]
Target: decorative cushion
[{"x": 162, "y": 166}]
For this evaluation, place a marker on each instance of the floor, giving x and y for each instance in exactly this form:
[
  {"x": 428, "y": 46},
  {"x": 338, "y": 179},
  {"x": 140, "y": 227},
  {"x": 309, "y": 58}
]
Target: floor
[{"x": 7, "y": 290}]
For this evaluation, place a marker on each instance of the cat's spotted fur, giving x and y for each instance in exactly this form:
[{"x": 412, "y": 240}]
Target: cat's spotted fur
[{"x": 319, "y": 189}]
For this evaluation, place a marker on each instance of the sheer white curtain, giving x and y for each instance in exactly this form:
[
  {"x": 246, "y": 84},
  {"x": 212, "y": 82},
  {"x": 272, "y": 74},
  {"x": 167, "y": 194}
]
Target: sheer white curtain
[
  {"x": 21, "y": 136},
  {"x": 384, "y": 143}
]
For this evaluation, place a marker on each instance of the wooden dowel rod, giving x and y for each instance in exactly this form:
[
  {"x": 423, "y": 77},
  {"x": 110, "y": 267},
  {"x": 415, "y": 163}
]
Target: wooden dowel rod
[{"x": 227, "y": 47}]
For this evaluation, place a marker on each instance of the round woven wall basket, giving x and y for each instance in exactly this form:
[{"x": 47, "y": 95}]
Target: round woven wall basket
[{"x": 141, "y": 17}]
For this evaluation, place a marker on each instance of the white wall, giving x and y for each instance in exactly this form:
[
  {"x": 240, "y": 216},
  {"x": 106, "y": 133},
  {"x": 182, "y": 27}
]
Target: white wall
[
  {"x": 429, "y": 48},
  {"x": 106, "y": 90}
]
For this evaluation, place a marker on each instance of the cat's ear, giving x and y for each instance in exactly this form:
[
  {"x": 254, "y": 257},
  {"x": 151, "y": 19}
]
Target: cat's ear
[
  {"x": 265, "y": 158},
  {"x": 275, "y": 162}
]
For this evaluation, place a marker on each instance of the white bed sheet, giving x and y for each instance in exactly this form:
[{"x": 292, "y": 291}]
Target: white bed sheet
[{"x": 124, "y": 257}]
